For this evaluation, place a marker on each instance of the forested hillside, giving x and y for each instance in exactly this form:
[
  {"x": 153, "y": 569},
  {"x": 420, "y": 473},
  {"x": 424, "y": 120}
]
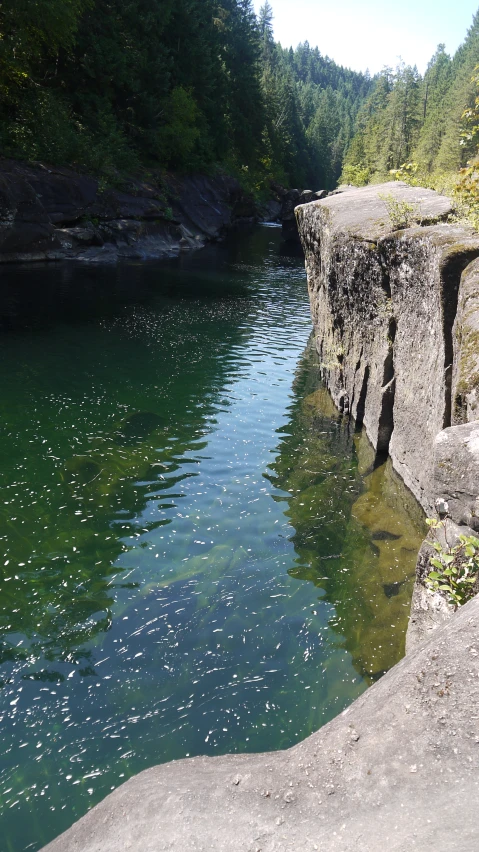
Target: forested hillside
[
  {"x": 118, "y": 85},
  {"x": 420, "y": 127}
]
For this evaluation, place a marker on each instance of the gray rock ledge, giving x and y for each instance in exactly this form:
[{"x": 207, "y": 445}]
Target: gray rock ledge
[
  {"x": 54, "y": 213},
  {"x": 398, "y": 770}
]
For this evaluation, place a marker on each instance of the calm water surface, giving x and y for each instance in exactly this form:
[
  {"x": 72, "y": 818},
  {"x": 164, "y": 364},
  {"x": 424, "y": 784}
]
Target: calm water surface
[{"x": 197, "y": 556}]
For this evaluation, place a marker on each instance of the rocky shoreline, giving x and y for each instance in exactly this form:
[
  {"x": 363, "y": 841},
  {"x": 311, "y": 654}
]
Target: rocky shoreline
[
  {"x": 398, "y": 769},
  {"x": 52, "y": 213}
]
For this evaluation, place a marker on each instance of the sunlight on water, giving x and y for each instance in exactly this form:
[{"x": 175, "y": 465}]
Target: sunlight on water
[{"x": 197, "y": 555}]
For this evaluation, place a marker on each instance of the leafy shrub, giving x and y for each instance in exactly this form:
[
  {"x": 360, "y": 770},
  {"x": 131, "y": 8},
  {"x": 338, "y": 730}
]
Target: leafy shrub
[
  {"x": 401, "y": 214},
  {"x": 177, "y": 138},
  {"x": 466, "y": 191},
  {"x": 47, "y": 129},
  {"x": 456, "y": 567},
  {"x": 356, "y": 175}
]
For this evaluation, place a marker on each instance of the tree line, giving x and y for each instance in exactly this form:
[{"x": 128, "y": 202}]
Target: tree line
[
  {"x": 119, "y": 85},
  {"x": 415, "y": 126}
]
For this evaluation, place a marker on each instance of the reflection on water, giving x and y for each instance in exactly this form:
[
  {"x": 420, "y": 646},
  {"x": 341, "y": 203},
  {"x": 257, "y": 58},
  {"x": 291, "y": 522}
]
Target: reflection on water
[
  {"x": 357, "y": 529},
  {"x": 196, "y": 553}
]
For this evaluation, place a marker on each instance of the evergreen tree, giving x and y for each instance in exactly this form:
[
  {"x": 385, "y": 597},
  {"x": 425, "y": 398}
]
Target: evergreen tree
[
  {"x": 245, "y": 108},
  {"x": 401, "y": 119},
  {"x": 452, "y": 155},
  {"x": 416, "y": 122},
  {"x": 114, "y": 84},
  {"x": 434, "y": 92},
  {"x": 265, "y": 25}
]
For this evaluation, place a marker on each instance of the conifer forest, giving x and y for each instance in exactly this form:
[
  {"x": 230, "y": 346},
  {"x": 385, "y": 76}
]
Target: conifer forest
[{"x": 117, "y": 85}]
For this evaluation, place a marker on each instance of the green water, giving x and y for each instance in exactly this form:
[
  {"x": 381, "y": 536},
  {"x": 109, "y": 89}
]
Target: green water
[{"x": 197, "y": 555}]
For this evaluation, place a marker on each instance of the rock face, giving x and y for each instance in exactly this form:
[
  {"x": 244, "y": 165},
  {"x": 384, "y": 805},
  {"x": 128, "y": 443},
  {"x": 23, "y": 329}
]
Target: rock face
[
  {"x": 456, "y": 472},
  {"x": 398, "y": 770},
  {"x": 55, "y": 213},
  {"x": 384, "y": 304},
  {"x": 394, "y": 294},
  {"x": 465, "y": 376},
  {"x": 291, "y": 199}
]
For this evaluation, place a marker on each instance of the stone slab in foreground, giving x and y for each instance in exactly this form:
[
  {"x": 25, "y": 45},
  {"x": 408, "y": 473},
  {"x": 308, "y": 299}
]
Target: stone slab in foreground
[{"x": 398, "y": 771}]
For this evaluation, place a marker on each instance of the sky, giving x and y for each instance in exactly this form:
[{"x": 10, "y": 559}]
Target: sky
[{"x": 363, "y": 34}]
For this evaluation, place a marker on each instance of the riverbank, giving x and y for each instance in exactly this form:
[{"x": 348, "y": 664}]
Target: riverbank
[{"x": 54, "y": 213}]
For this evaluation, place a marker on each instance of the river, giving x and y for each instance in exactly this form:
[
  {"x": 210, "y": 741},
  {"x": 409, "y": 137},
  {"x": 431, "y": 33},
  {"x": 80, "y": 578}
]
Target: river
[{"x": 198, "y": 555}]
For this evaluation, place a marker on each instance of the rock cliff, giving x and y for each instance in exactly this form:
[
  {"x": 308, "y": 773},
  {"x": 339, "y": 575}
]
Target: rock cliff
[
  {"x": 51, "y": 213},
  {"x": 386, "y": 272},
  {"x": 394, "y": 290}
]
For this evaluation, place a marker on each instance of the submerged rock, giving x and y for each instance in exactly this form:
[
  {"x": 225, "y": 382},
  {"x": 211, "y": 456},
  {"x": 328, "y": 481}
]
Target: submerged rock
[
  {"x": 136, "y": 427},
  {"x": 392, "y": 589},
  {"x": 81, "y": 470},
  {"x": 384, "y": 535}
]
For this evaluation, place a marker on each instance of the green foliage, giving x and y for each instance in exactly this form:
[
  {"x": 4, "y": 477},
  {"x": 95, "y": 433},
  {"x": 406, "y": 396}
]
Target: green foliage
[
  {"x": 310, "y": 110},
  {"x": 466, "y": 190},
  {"x": 31, "y": 34},
  {"x": 462, "y": 186},
  {"x": 176, "y": 139},
  {"x": 453, "y": 153},
  {"x": 115, "y": 85},
  {"x": 401, "y": 214},
  {"x": 388, "y": 123},
  {"x": 355, "y": 174},
  {"x": 434, "y": 93},
  {"x": 265, "y": 26},
  {"x": 407, "y": 172},
  {"x": 423, "y": 130},
  {"x": 470, "y": 117},
  {"x": 44, "y": 129},
  {"x": 456, "y": 567}
]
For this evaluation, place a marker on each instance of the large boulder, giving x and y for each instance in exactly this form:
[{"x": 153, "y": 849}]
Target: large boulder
[
  {"x": 456, "y": 473},
  {"x": 208, "y": 206}
]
